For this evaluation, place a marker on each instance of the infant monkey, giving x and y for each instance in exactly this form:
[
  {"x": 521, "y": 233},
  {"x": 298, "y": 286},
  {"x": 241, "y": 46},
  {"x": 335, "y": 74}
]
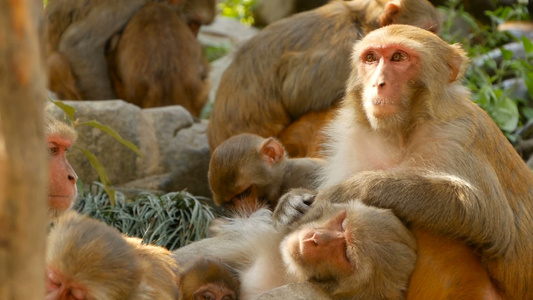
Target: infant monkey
[{"x": 248, "y": 170}]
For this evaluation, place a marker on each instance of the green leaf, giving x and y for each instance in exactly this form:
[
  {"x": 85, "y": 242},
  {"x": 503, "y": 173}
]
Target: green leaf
[
  {"x": 507, "y": 54},
  {"x": 112, "y": 133},
  {"x": 100, "y": 170},
  {"x": 69, "y": 110},
  {"x": 528, "y": 79},
  {"x": 506, "y": 114},
  {"x": 528, "y": 45},
  {"x": 527, "y": 112}
]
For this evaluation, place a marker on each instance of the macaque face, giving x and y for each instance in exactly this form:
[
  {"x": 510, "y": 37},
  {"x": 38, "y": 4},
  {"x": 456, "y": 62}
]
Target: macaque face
[
  {"x": 214, "y": 292},
  {"x": 389, "y": 72},
  {"x": 350, "y": 244},
  {"x": 62, "y": 186}
]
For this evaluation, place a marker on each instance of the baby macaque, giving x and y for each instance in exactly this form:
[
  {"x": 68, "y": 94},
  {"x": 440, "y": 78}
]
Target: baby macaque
[{"x": 249, "y": 170}]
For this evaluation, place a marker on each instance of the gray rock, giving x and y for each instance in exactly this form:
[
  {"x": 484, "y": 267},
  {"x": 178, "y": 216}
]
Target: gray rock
[{"x": 173, "y": 144}]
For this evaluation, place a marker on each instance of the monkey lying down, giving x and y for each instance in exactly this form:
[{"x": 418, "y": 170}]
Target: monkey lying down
[{"x": 349, "y": 250}]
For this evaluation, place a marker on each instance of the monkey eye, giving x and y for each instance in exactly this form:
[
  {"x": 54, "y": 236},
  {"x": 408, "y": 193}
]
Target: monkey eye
[
  {"x": 53, "y": 151},
  {"x": 398, "y": 56},
  {"x": 370, "y": 57},
  {"x": 206, "y": 295}
]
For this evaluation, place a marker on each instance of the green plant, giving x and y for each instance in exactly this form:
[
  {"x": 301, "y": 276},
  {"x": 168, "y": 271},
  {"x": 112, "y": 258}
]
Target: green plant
[
  {"x": 172, "y": 220},
  {"x": 238, "y": 9},
  {"x": 486, "y": 74},
  {"x": 93, "y": 160}
]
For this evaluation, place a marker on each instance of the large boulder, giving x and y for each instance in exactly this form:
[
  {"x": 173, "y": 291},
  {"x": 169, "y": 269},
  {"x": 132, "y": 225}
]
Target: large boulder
[{"x": 173, "y": 144}]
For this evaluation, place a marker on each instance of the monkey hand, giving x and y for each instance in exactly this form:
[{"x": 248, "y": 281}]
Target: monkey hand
[{"x": 292, "y": 206}]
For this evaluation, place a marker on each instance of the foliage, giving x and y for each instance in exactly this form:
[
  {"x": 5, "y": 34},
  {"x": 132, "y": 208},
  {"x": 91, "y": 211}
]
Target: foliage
[
  {"x": 93, "y": 160},
  {"x": 238, "y": 9},
  {"x": 213, "y": 53},
  {"x": 488, "y": 70},
  {"x": 172, "y": 220}
]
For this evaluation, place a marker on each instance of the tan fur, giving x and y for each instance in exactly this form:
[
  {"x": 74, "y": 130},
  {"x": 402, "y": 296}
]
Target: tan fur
[
  {"x": 240, "y": 173},
  {"x": 381, "y": 250},
  {"x": 451, "y": 173},
  {"x": 90, "y": 256},
  {"x": 299, "y": 65}
]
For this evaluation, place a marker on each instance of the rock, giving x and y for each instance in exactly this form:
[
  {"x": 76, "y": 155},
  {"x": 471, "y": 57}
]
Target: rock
[
  {"x": 173, "y": 144},
  {"x": 226, "y": 31}
]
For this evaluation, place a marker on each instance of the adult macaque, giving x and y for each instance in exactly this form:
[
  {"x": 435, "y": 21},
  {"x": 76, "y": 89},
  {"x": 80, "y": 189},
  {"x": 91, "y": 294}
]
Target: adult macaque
[
  {"x": 207, "y": 279},
  {"x": 139, "y": 64},
  {"x": 249, "y": 170},
  {"x": 350, "y": 250},
  {"x": 87, "y": 259},
  {"x": 299, "y": 65},
  {"x": 409, "y": 138},
  {"x": 79, "y": 33},
  {"x": 62, "y": 190}
]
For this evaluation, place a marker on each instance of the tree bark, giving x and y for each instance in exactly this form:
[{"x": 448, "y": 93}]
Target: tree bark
[{"x": 23, "y": 157}]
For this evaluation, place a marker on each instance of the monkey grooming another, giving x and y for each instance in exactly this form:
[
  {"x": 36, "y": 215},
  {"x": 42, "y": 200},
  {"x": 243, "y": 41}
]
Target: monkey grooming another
[
  {"x": 249, "y": 170},
  {"x": 409, "y": 138}
]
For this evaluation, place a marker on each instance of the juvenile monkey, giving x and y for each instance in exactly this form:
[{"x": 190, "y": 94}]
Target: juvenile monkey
[
  {"x": 62, "y": 189},
  {"x": 249, "y": 170},
  {"x": 300, "y": 65},
  {"x": 409, "y": 138},
  {"x": 349, "y": 250},
  {"x": 207, "y": 279},
  {"x": 87, "y": 259}
]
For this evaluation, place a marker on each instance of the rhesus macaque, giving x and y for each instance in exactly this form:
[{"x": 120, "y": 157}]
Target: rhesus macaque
[
  {"x": 249, "y": 170},
  {"x": 62, "y": 189},
  {"x": 79, "y": 32},
  {"x": 140, "y": 63},
  {"x": 207, "y": 279},
  {"x": 87, "y": 259},
  {"x": 299, "y": 65},
  {"x": 409, "y": 138},
  {"x": 350, "y": 250}
]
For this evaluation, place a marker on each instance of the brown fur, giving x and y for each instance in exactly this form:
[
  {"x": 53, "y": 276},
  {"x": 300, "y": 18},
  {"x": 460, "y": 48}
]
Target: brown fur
[
  {"x": 247, "y": 170},
  {"x": 444, "y": 168},
  {"x": 299, "y": 65},
  {"x": 87, "y": 256},
  {"x": 204, "y": 273},
  {"x": 143, "y": 78},
  {"x": 78, "y": 34}
]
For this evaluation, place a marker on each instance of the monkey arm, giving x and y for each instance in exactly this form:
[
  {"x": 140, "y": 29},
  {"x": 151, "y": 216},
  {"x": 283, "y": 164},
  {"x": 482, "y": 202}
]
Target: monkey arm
[
  {"x": 83, "y": 44},
  {"x": 443, "y": 203}
]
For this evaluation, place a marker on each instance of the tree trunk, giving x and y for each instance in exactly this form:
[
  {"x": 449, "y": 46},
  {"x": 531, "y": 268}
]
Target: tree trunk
[{"x": 23, "y": 158}]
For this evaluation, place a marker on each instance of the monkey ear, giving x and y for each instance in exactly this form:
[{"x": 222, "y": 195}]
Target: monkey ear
[
  {"x": 458, "y": 63},
  {"x": 391, "y": 12},
  {"x": 272, "y": 151}
]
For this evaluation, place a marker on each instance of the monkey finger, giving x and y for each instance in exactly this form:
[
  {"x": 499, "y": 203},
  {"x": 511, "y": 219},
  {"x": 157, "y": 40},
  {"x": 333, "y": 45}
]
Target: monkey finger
[{"x": 292, "y": 206}]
